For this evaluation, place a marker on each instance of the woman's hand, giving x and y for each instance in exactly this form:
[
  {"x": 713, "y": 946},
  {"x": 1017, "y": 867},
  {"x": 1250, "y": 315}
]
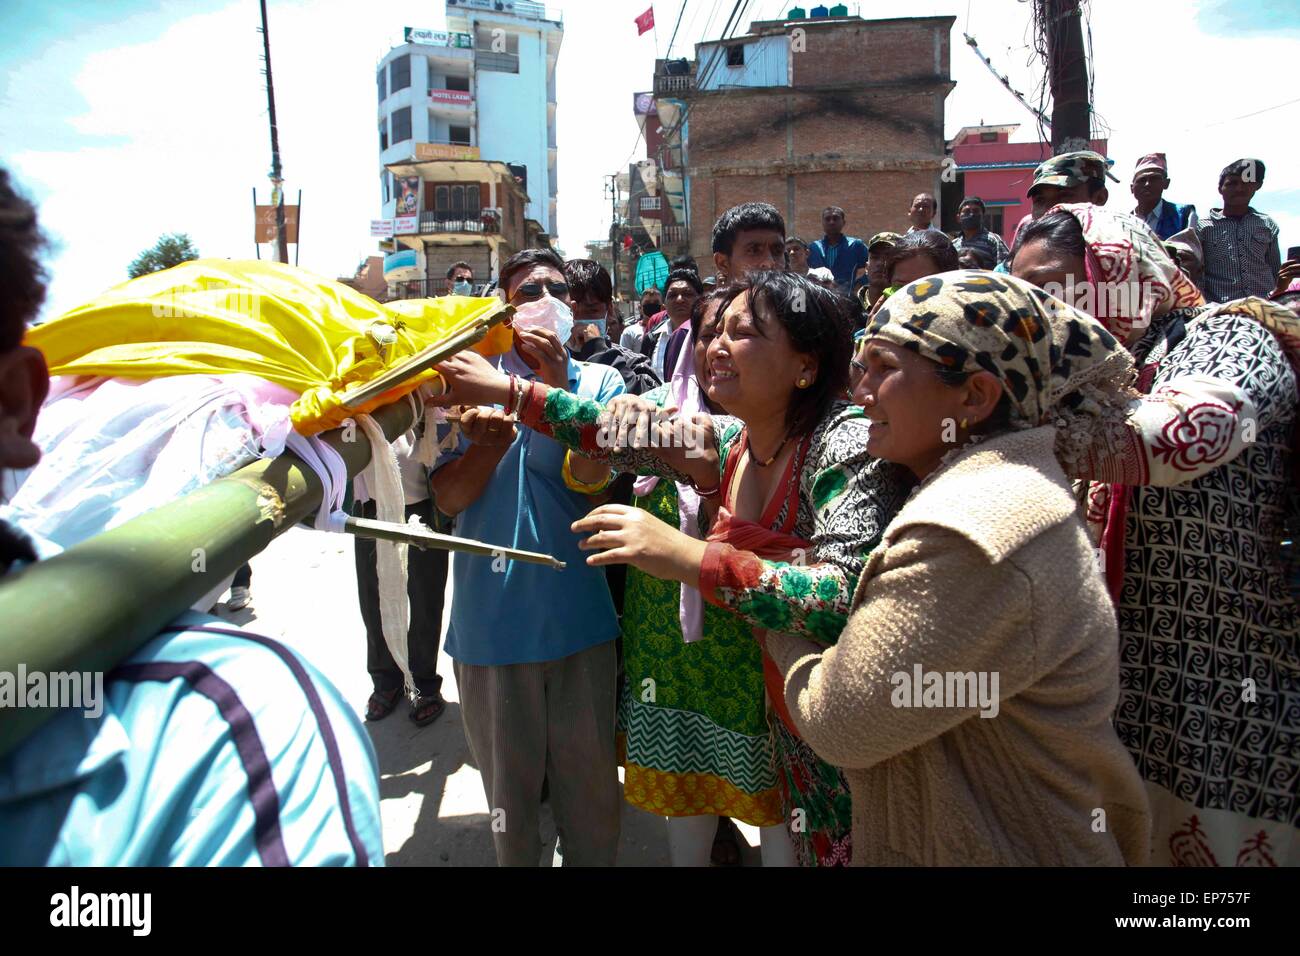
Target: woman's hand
[
  {"x": 685, "y": 443},
  {"x": 625, "y": 535},
  {"x": 547, "y": 354},
  {"x": 470, "y": 379}
]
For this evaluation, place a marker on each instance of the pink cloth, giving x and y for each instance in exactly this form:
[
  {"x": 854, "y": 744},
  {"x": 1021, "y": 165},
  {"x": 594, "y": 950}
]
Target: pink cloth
[{"x": 684, "y": 393}]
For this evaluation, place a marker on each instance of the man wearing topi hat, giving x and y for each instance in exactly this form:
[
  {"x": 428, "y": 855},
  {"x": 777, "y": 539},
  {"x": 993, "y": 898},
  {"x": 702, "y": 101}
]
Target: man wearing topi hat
[{"x": 1150, "y": 180}]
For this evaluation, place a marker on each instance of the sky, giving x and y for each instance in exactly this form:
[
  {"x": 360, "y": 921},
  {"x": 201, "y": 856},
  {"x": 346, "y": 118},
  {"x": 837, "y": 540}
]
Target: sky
[{"x": 127, "y": 119}]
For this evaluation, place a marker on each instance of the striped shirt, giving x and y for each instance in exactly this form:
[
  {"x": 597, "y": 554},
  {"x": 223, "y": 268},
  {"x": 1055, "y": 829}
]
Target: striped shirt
[{"x": 1241, "y": 255}]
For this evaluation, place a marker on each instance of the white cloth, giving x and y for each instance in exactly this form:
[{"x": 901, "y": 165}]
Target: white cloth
[
  {"x": 684, "y": 392},
  {"x": 112, "y": 449}
]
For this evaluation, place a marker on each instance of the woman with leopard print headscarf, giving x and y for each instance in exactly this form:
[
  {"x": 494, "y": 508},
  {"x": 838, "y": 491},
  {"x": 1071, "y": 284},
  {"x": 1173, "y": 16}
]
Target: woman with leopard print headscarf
[{"x": 968, "y": 699}]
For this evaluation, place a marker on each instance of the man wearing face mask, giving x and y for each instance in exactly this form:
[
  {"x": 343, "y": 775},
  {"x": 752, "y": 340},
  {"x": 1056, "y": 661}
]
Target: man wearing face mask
[
  {"x": 970, "y": 216},
  {"x": 460, "y": 279},
  {"x": 592, "y": 293},
  {"x": 652, "y": 304},
  {"x": 533, "y": 647}
]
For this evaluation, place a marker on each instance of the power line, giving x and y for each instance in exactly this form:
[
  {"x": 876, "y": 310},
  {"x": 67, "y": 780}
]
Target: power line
[{"x": 669, "y": 51}]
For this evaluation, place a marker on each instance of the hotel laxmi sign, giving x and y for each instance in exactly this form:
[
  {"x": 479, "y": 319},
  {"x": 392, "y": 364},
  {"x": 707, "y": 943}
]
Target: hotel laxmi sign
[
  {"x": 451, "y": 97},
  {"x": 425, "y": 151},
  {"x": 461, "y": 41}
]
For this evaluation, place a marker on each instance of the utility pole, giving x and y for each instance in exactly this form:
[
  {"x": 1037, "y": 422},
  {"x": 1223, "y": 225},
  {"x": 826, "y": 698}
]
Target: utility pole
[
  {"x": 1067, "y": 72},
  {"x": 612, "y": 189},
  {"x": 277, "y": 194}
]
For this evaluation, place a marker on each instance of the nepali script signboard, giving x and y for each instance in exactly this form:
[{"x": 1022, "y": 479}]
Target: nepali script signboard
[{"x": 461, "y": 41}]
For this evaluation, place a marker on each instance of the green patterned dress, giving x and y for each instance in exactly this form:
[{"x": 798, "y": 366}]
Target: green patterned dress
[{"x": 692, "y": 718}]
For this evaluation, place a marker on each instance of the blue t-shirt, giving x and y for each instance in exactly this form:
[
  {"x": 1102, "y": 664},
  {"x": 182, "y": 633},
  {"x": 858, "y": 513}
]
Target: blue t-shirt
[
  {"x": 517, "y": 612},
  {"x": 843, "y": 259},
  {"x": 213, "y": 747}
]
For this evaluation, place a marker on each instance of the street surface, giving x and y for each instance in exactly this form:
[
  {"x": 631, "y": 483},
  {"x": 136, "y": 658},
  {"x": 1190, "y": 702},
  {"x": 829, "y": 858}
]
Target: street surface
[{"x": 432, "y": 801}]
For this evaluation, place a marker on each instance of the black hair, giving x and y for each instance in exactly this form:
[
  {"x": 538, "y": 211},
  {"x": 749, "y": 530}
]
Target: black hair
[
  {"x": 1001, "y": 416},
  {"x": 972, "y": 200},
  {"x": 587, "y": 277},
  {"x": 926, "y": 242},
  {"x": 652, "y": 288},
  {"x": 1095, "y": 186},
  {"x": 746, "y": 216},
  {"x": 689, "y": 276},
  {"x": 819, "y": 322},
  {"x": 700, "y": 306},
  {"x": 451, "y": 269},
  {"x": 984, "y": 258},
  {"x": 525, "y": 260},
  {"x": 1238, "y": 167},
  {"x": 1059, "y": 230},
  {"x": 797, "y": 241},
  {"x": 684, "y": 262},
  {"x": 22, "y": 278},
  {"x": 833, "y": 211}
]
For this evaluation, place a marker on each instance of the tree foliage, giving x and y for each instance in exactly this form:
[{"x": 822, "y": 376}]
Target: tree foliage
[{"x": 170, "y": 250}]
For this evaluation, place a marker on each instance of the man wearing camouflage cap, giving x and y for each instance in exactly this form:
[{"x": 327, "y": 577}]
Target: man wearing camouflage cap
[
  {"x": 879, "y": 248},
  {"x": 1070, "y": 177}
]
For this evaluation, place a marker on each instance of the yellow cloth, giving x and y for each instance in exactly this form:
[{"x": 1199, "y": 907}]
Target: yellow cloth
[{"x": 275, "y": 321}]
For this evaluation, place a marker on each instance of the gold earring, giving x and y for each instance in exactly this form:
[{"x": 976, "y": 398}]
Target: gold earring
[
  {"x": 803, "y": 383},
  {"x": 963, "y": 423}
]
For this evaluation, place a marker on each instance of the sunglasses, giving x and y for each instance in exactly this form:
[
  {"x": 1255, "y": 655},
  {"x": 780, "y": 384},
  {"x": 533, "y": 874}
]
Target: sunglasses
[{"x": 530, "y": 291}]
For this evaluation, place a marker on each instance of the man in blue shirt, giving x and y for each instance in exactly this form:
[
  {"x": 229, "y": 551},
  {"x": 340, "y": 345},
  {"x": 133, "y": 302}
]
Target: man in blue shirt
[
  {"x": 533, "y": 648},
  {"x": 843, "y": 255}
]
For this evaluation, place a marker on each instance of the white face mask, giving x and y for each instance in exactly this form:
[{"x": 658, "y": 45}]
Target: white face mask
[
  {"x": 462, "y": 287},
  {"x": 547, "y": 313}
]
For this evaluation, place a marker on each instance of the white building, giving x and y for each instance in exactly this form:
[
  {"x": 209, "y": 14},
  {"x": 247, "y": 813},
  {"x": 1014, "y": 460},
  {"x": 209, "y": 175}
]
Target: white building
[{"x": 484, "y": 89}]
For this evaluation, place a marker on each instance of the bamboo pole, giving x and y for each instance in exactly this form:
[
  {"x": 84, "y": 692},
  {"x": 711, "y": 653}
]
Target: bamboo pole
[{"x": 99, "y": 602}]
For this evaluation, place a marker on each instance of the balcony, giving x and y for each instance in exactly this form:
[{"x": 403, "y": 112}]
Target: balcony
[
  {"x": 486, "y": 222},
  {"x": 676, "y": 234},
  {"x": 674, "y": 85}
]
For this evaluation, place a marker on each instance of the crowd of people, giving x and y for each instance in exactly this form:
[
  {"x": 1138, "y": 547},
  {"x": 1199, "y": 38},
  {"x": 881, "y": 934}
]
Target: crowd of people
[{"x": 922, "y": 549}]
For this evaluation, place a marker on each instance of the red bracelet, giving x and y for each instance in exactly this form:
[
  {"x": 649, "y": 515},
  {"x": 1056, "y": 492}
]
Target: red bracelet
[{"x": 709, "y": 493}]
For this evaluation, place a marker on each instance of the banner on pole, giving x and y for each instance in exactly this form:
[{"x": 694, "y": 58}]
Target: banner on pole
[{"x": 264, "y": 225}]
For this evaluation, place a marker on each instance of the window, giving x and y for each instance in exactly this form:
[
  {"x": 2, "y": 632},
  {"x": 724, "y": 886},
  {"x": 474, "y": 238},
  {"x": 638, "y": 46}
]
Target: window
[
  {"x": 457, "y": 198},
  {"x": 383, "y": 135},
  {"x": 497, "y": 40},
  {"x": 457, "y": 83},
  {"x": 650, "y": 202},
  {"x": 401, "y": 73},
  {"x": 401, "y": 124},
  {"x": 388, "y": 194},
  {"x": 736, "y": 55},
  {"x": 988, "y": 137},
  {"x": 459, "y": 135},
  {"x": 382, "y": 79}
]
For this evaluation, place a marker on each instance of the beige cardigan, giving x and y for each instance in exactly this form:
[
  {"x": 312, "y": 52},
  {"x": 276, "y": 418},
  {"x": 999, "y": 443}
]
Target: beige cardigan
[{"x": 986, "y": 568}]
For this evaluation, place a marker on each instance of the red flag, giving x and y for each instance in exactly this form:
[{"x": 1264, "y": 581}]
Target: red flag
[{"x": 645, "y": 22}]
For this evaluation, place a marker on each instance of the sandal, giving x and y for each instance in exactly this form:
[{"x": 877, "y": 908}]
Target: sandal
[
  {"x": 426, "y": 708},
  {"x": 382, "y": 703},
  {"x": 726, "y": 844}
]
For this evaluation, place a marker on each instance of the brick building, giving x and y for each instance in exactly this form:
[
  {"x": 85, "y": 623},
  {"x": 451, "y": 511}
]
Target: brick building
[{"x": 807, "y": 113}]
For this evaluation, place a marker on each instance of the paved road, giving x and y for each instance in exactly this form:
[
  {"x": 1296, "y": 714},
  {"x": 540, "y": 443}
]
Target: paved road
[{"x": 434, "y": 809}]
